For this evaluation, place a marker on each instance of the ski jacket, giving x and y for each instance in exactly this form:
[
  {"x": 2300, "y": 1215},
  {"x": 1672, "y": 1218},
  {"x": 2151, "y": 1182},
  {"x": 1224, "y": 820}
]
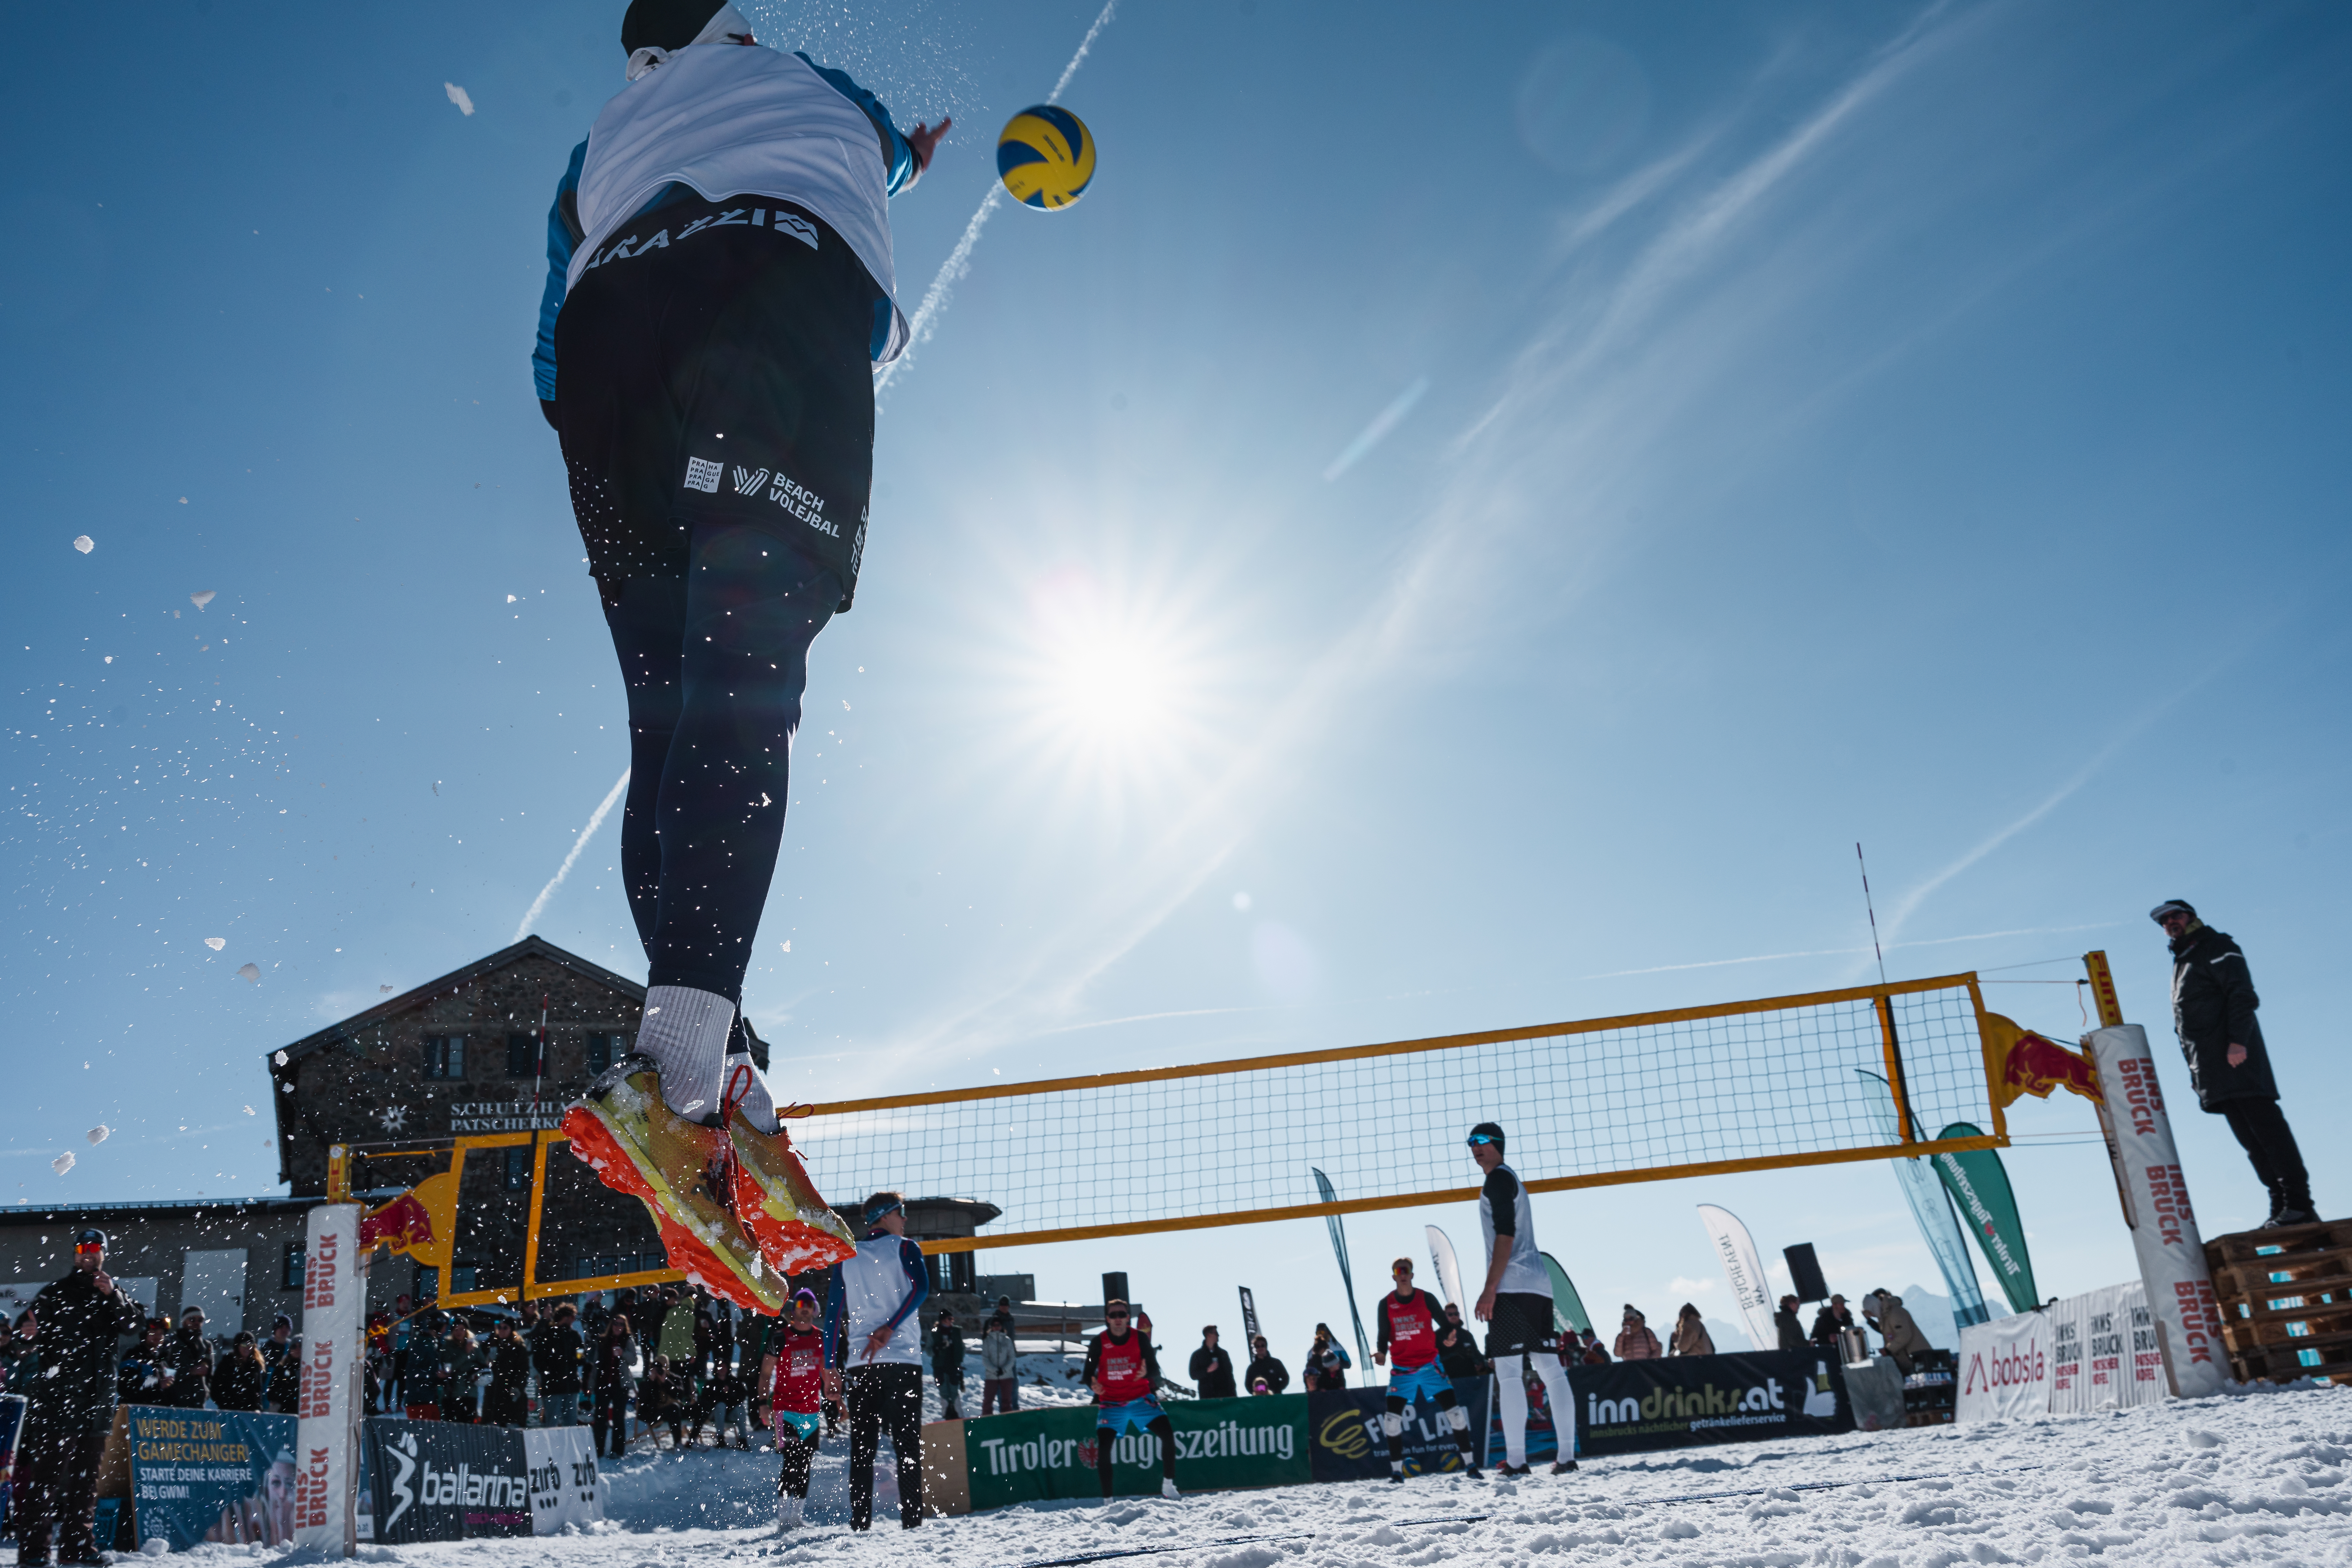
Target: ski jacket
[
  {"x": 997, "y": 1352},
  {"x": 281, "y": 1389},
  {"x": 724, "y": 120},
  {"x": 2213, "y": 1004},
  {"x": 1457, "y": 1351},
  {"x": 509, "y": 1365},
  {"x": 1123, "y": 1369},
  {"x": 1503, "y": 1210},
  {"x": 1212, "y": 1371},
  {"x": 800, "y": 1371},
  {"x": 947, "y": 1351},
  {"x": 190, "y": 1357},
  {"x": 141, "y": 1381},
  {"x": 556, "y": 1352},
  {"x": 1327, "y": 1365},
  {"x": 1792, "y": 1333},
  {"x": 1264, "y": 1368},
  {"x": 1691, "y": 1338},
  {"x": 612, "y": 1360},
  {"x": 675, "y": 1340},
  {"x": 881, "y": 1285},
  {"x": 1638, "y": 1343},
  {"x": 236, "y": 1381},
  {"x": 76, "y": 1330},
  {"x": 1829, "y": 1323},
  {"x": 1409, "y": 1329}
]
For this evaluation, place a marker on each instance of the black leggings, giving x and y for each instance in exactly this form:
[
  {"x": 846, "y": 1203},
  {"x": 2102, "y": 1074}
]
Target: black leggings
[
  {"x": 1446, "y": 1400},
  {"x": 797, "y": 1453},
  {"x": 714, "y": 664},
  {"x": 889, "y": 1396},
  {"x": 1106, "y": 1440}
]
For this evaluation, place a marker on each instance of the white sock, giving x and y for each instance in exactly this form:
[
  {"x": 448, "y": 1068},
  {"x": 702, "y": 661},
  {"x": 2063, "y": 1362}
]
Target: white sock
[
  {"x": 1510, "y": 1385},
  {"x": 684, "y": 1031},
  {"x": 757, "y": 1105},
  {"x": 1561, "y": 1399}
]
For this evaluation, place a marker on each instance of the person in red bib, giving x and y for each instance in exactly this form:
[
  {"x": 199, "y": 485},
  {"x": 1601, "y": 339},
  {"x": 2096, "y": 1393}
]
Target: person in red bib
[
  {"x": 1410, "y": 1319},
  {"x": 1122, "y": 1370},
  {"x": 800, "y": 1379}
]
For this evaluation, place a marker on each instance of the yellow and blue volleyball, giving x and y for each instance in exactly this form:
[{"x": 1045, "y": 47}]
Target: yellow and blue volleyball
[{"x": 1045, "y": 157}]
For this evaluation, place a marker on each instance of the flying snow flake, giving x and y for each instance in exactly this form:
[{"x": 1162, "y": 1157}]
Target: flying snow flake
[
  {"x": 206, "y": 597},
  {"x": 217, "y": 942},
  {"x": 280, "y": 1058},
  {"x": 109, "y": 658},
  {"x": 249, "y": 972},
  {"x": 62, "y": 1163},
  {"x": 510, "y": 598},
  {"x": 380, "y": 989},
  {"x": 85, "y": 543},
  {"x": 458, "y": 95},
  {"x": 248, "y": 1110},
  {"x": 788, "y": 947},
  {"x": 99, "y": 1133}
]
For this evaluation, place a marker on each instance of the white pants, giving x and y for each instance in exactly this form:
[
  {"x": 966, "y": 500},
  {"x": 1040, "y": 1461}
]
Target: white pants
[{"x": 1509, "y": 1384}]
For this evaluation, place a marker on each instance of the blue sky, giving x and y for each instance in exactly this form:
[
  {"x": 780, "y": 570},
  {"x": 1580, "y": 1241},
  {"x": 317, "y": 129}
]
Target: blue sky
[{"x": 1915, "y": 426}]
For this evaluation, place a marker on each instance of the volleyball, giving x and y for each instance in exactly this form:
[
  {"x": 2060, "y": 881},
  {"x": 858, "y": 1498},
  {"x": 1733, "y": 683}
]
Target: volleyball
[{"x": 1045, "y": 157}]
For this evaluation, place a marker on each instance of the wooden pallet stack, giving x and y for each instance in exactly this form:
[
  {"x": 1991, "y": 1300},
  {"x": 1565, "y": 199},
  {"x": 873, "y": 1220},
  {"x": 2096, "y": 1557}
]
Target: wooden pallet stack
[{"x": 2286, "y": 1294}]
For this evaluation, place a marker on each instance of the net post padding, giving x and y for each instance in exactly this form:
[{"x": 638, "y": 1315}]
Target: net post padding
[{"x": 1692, "y": 1091}]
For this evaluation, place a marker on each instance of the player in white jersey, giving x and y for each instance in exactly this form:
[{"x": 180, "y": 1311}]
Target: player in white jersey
[{"x": 1516, "y": 1305}]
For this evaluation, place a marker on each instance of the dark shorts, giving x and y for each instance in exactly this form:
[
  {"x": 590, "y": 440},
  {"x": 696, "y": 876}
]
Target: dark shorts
[
  {"x": 712, "y": 368},
  {"x": 1522, "y": 1324}
]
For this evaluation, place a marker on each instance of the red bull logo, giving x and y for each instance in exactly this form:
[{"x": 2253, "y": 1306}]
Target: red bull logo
[
  {"x": 399, "y": 1225},
  {"x": 2035, "y": 1066}
]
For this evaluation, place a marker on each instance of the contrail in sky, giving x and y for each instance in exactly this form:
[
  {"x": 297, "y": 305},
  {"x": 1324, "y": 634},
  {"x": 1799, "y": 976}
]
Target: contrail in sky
[
  {"x": 578, "y": 844},
  {"x": 1382, "y": 423},
  {"x": 959, "y": 261}
]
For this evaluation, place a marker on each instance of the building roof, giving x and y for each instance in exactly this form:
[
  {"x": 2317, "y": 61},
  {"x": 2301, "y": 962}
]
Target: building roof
[
  {"x": 66, "y": 1214},
  {"x": 528, "y": 947}
]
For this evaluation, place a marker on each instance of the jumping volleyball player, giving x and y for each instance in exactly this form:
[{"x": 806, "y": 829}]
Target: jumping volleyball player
[
  {"x": 1409, "y": 1320},
  {"x": 1517, "y": 1304},
  {"x": 719, "y": 287},
  {"x": 1122, "y": 1369}
]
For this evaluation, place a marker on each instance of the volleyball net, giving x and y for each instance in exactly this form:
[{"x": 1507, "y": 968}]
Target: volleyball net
[{"x": 1743, "y": 1086}]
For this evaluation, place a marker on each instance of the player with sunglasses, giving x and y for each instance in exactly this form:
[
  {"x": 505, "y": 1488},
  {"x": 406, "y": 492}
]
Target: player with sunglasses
[
  {"x": 1516, "y": 1305},
  {"x": 1123, "y": 1370}
]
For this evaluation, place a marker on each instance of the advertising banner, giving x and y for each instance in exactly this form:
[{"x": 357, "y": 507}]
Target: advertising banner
[
  {"x": 1628, "y": 1406},
  {"x": 333, "y": 1292},
  {"x": 212, "y": 1475},
  {"x": 1348, "y": 1443},
  {"x": 438, "y": 1481},
  {"x": 566, "y": 1487},
  {"x": 1979, "y": 1183},
  {"x": 2007, "y": 1366},
  {"x": 1735, "y": 1249},
  {"x": 2185, "y": 1317},
  {"x": 1543, "y": 1440},
  {"x": 1221, "y": 1443}
]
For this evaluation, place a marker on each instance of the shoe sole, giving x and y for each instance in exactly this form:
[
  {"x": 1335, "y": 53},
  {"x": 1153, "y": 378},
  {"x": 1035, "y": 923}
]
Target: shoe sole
[
  {"x": 794, "y": 1229},
  {"x": 624, "y": 1165}
]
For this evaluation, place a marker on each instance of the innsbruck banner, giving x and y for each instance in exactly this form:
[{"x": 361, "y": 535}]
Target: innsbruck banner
[{"x": 333, "y": 1293}]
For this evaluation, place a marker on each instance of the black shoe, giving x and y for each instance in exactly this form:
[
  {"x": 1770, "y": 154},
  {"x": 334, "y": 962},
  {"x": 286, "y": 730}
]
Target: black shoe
[
  {"x": 1508, "y": 1470},
  {"x": 1396, "y": 1478},
  {"x": 2285, "y": 1217},
  {"x": 1563, "y": 1467}
]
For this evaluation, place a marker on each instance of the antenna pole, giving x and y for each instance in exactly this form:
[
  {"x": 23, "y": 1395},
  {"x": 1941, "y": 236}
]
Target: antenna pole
[{"x": 1874, "y": 948}]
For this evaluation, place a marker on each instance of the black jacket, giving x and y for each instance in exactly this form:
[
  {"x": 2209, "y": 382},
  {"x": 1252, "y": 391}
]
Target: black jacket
[
  {"x": 79, "y": 1330},
  {"x": 556, "y": 1352},
  {"x": 947, "y": 1350},
  {"x": 2213, "y": 1004},
  {"x": 283, "y": 1392},
  {"x": 1828, "y": 1322},
  {"x": 1457, "y": 1351},
  {"x": 190, "y": 1357},
  {"x": 1213, "y": 1371},
  {"x": 1792, "y": 1333},
  {"x": 510, "y": 1364},
  {"x": 236, "y": 1381},
  {"x": 1277, "y": 1375}
]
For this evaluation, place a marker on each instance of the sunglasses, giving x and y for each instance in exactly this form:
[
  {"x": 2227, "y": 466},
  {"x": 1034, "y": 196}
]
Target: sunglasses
[
  {"x": 1117, "y": 1317},
  {"x": 1477, "y": 1138}
]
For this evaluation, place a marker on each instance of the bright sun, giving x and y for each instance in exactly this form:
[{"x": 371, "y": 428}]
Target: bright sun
[{"x": 1115, "y": 683}]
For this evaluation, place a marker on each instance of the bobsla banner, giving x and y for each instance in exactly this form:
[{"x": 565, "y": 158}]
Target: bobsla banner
[
  {"x": 200, "y": 1476},
  {"x": 1031, "y": 1456},
  {"x": 1626, "y": 1406},
  {"x": 1348, "y": 1444}
]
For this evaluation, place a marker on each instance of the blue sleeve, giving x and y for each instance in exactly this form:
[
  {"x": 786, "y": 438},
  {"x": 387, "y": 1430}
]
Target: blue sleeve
[
  {"x": 918, "y": 1281},
  {"x": 902, "y": 157},
  {"x": 836, "y": 1313},
  {"x": 560, "y": 246}
]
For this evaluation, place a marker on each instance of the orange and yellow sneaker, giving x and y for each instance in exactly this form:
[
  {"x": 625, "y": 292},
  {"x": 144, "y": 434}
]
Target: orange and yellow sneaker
[
  {"x": 796, "y": 1230},
  {"x": 638, "y": 1145}
]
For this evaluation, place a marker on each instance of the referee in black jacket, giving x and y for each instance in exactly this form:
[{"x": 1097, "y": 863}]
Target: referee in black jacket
[{"x": 69, "y": 1408}]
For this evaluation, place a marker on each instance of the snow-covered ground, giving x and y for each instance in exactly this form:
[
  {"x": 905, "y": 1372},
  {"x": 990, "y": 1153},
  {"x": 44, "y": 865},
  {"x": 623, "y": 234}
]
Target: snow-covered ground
[{"x": 2242, "y": 1480}]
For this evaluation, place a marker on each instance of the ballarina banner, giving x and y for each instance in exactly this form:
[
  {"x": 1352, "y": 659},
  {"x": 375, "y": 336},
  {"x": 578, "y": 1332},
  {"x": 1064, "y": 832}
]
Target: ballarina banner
[
  {"x": 200, "y": 1476},
  {"x": 1626, "y": 1406},
  {"x": 439, "y": 1480}
]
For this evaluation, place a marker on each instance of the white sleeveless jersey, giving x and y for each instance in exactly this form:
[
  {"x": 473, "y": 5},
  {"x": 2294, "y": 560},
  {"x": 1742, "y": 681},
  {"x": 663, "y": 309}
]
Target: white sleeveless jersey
[
  {"x": 733, "y": 119},
  {"x": 1524, "y": 1273}
]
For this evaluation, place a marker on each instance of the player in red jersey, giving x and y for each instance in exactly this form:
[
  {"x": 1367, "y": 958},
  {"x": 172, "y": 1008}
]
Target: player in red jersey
[
  {"x": 1410, "y": 1319},
  {"x": 1122, "y": 1370},
  {"x": 798, "y": 1372}
]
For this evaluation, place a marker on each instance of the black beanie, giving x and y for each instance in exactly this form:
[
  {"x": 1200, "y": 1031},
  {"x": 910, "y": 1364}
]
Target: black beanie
[{"x": 663, "y": 23}]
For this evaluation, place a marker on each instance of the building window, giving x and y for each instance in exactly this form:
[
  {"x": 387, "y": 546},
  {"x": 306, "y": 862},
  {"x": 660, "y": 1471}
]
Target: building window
[
  {"x": 445, "y": 1056},
  {"x": 603, "y": 1050},
  {"x": 519, "y": 1168},
  {"x": 291, "y": 1279},
  {"x": 522, "y": 1056}
]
